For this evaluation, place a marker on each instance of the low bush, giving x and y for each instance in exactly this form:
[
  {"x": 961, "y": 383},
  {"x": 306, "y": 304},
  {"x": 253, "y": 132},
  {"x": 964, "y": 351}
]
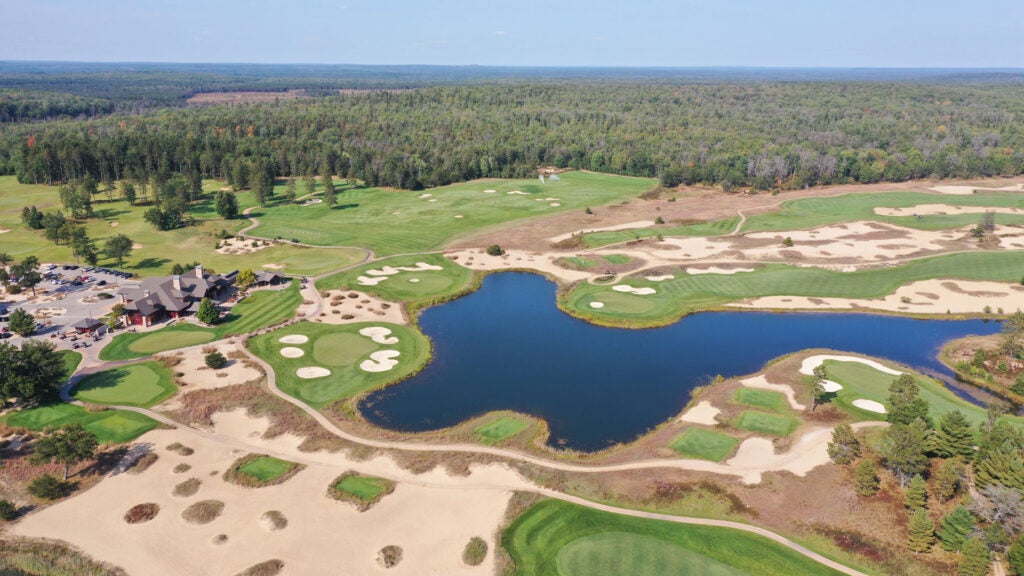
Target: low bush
[
  {"x": 475, "y": 552},
  {"x": 49, "y": 487},
  {"x": 141, "y": 513}
]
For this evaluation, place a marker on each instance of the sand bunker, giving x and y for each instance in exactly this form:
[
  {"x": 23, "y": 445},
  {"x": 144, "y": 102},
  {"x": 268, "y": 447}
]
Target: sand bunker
[
  {"x": 717, "y": 270},
  {"x": 971, "y": 189},
  {"x": 292, "y": 352},
  {"x": 414, "y": 280},
  {"x": 659, "y": 278},
  {"x": 115, "y": 224},
  {"x": 554, "y": 204},
  {"x": 379, "y": 334},
  {"x": 930, "y": 209},
  {"x": 312, "y": 372},
  {"x": 6, "y": 230},
  {"x": 518, "y": 192},
  {"x": 760, "y": 381},
  {"x": 421, "y": 196},
  {"x": 702, "y": 413},
  {"x": 432, "y": 200},
  {"x": 811, "y": 362},
  {"x": 459, "y": 216},
  {"x": 489, "y": 191},
  {"x": 364, "y": 281},
  {"x": 597, "y": 305},
  {"x": 137, "y": 246},
  {"x": 830, "y": 386},
  {"x": 631, "y": 290},
  {"x": 293, "y": 339},
  {"x": 380, "y": 361},
  {"x": 240, "y": 246},
  {"x": 869, "y": 405},
  {"x": 392, "y": 270},
  {"x": 312, "y": 201}
]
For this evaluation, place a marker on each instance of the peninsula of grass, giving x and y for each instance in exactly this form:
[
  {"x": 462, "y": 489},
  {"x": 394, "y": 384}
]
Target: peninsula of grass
[
  {"x": 501, "y": 429},
  {"x": 71, "y": 361},
  {"x": 773, "y": 424},
  {"x": 555, "y": 538},
  {"x": 363, "y": 491},
  {"x": 143, "y": 385},
  {"x": 704, "y": 444},
  {"x": 686, "y": 294},
  {"x": 769, "y": 399},
  {"x": 419, "y": 288},
  {"x": 863, "y": 381},
  {"x": 340, "y": 349},
  {"x": 109, "y": 426},
  {"x": 263, "y": 308},
  {"x": 259, "y": 470},
  {"x": 401, "y": 222}
]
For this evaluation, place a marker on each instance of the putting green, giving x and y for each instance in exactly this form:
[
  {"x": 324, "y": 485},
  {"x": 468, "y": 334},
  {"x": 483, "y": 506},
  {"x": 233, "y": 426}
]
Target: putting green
[
  {"x": 450, "y": 280},
  {"x": 501, "y": 429},
  {"x": 620, "y": 553},
  {"x": 267, "y": 468},
  {"x": 342, "y": 349},
  {"x": 767, "y": 423},
  {"x": 704, "y": 444},
  {"x": 142, "y": 384},
  {"x": 109, "y": 426},
  {"x": 362, "y": 488},
  {"x": 555, "y": 538},
  {"x": 763, "y": 399}
]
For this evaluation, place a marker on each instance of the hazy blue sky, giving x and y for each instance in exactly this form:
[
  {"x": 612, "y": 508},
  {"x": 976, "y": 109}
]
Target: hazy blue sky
[{"x": 884, "y": 33}]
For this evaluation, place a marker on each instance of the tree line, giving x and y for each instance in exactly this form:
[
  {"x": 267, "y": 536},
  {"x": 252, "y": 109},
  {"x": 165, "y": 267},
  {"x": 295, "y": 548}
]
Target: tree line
[{"x": 762, "y": 136}]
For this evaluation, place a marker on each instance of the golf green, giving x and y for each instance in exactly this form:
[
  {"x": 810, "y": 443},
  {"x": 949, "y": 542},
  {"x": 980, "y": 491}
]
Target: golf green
[{"x": 143, "y": 384}]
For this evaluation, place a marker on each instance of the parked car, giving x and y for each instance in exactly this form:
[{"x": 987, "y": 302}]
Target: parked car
[
  {"x": 5, "y": 335},
  {"x": 101, "y": 283}
]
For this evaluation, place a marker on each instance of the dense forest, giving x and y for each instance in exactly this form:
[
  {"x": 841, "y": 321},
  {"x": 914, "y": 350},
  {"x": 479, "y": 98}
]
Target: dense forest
[{"x": 759, "y": 133}]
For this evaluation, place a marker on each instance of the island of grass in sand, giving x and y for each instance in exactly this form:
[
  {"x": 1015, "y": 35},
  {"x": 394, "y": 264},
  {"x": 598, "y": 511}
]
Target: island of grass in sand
[
  {"x": 421, "y": 279},
  {"x": 109, "y": 426},
  {"x": 340, "y": 350}
]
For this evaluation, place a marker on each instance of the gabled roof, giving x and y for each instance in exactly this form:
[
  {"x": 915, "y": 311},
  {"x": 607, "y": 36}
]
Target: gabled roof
[{"x": 87, "y": 323}]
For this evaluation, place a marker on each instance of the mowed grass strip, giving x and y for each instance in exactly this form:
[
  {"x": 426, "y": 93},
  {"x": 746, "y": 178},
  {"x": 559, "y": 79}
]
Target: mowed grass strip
[
  {"x": 109, "y": 426},
  {"x": 764, "y": 423},
  {"x": 361, "y": 490},
  {"x": 863, "y": 381},
  {"x": 704, "y": 444},
  {"x": 501, "y": 429},
  {"x": 144, "y": 385},
  {"x": 340, "y": 349},
  {"x": 686, "y": 294},
  {"x": 710, "y": 228},
  {"x": 263, "y": 308},
  {"x": 769, "y": 399},
  {"x": 556, "y": 538},
  {"x": 400, "y": 222},
  {"x": 259, "y": 470}
]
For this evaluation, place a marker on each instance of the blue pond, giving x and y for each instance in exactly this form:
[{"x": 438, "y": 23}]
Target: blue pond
[{"x": 507, "y": 346}]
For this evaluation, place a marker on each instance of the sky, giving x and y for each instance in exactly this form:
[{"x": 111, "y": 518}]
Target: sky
[{"x": 773, "y": 33}]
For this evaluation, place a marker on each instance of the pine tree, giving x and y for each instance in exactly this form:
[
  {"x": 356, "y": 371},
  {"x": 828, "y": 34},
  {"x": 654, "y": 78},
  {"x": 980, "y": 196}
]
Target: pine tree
[
  {"x": 921, "y": 531},
  {"x": 955, "y": 528},
  {"x": 330, "y": 199},
  {"x": 865, "y": 479},
  {"x": 905, "y": 403},
  {"x": 1003, "y": 465},
  {"x": 953, "y": 436},
  {"x": 844, "y": 447},
  {"x": 948, "y": 478},
  {"x": 1015, "y": 557},
  {"x": 975, "y": 560},
  {"x": 903, "y": 447},
  {"x": 289, "y": 190},
  {"x": 917, "y": 494}
]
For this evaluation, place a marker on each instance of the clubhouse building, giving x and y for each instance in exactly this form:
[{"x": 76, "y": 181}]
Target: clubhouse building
[{"x": 161, "y": 297}]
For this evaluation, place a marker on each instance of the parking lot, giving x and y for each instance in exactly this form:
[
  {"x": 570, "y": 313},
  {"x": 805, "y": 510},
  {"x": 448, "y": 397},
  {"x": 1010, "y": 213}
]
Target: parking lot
[{"x": 67, "y": 294}]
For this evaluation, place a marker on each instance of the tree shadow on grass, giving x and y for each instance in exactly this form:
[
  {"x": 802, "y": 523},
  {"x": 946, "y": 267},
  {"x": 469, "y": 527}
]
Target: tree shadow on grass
[
  {"x": 108, "y": 213},
  {"x": 345, "y": 206},
  {"x": 151, "y": 263}
]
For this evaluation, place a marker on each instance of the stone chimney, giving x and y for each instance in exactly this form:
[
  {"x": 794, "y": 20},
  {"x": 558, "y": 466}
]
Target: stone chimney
[
  {"x": 145, "y": 293},
  {"x": 199, "y": 271},
  {"x": 176, "y": 282}
]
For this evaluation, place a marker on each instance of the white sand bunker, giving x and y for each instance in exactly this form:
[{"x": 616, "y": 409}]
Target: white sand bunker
[
  {"x": 660, "y": 278},
  {"x": 830, "y": 386},
  {"x": 972, "y": 189},
  {"x": 6, "y": 230},
  {"x": 518, "y": 192},
  {"x": 811, "y": 362},
  {"x": 414, "y": 280},
  {"x": 392, "y": 270},
  {"x": 459, "y": 216},
  {"x": 292, "y": 352},
  {"x": 930, "y": 209},
  {"x": 293, "y": 339},
  {"x": 702, "y": 413},
  {"x": 760, "y": 381},
  {"x": 312, "y": 372},
  {"x": 365, "y": 281},
  {"x": 379, "y": 334},
  {"x": 631, "y": 290},
  {"x": 313, "y": 201},
  {"x": 380, "y": 361},
  {"x": 489, "y": 191},
  {"x": 717, "y": 270},
  {"x": 554, "y": 204},
  {"x": 869, "y": 405},
  {"x": 421, "y": 196},
  {"x": 432, "y": 200},
  {"x": 597, "y": 305}
]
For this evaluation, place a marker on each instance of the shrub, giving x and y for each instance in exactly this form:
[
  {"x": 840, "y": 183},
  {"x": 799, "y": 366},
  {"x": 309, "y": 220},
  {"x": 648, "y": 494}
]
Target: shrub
[
  {"x": 390, "y": 556},
  {"x": 180, "y": 449},
  {"x": 587, "y": 210},
  {"x": 659, "y": 220},
  {"x": 187, "y": 488},
  {"x": 495, "y": 250},
  {"x": 105, "y": 296},
  {"x": 203, "y": 512},
  {"x": 787, "y": 242},
  {"x": 8, "y": 511},
  {"x": 49, "y": 487},
  {"x": 182, "y": 468},
  {"x": 141, "y": 513},
  {"x": 274, "y": 520},
  {"x": 267, "y": 568},
  {"x": 215, "y": 360},
  {"x": 475, "y": 552}
]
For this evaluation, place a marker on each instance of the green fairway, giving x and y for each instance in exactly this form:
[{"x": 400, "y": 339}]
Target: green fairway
[
  {"x": 617, "y": 259},
  {"x": 811, "y": 212},
  {"x": 109, "y": 426},
  {"x": 142, "y": 384},
  {"x": 360, "y": 489},
  {"x": 501, "y": 429},
  {"x": 704, "y": 444},
  {"x": 691, "y": 293},
  {"x": 713, "y": 228},
  {"x": 773, "y": 424},
  {"x": 555, "y": 538},
  {"x": 863, "y": 381},
  {"x": 266, "y": 468},
  {"x": 340, "y": 349},
  {"x": 397, "y": 221},
  {"x": 421, "y": 286},
  {"x": 775, "y": 401},
  {"x": 159, "y": 251},
  {"x": 263, "y": 308}
]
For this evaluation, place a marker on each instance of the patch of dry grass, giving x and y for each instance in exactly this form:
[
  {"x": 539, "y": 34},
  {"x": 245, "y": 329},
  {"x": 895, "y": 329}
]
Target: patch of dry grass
[
  {"x": 203, "y": 512},
  {"x": 141, "y": 513},
  {"x": 187, "y": 488},
  {"x": 267, "y": 568}
]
